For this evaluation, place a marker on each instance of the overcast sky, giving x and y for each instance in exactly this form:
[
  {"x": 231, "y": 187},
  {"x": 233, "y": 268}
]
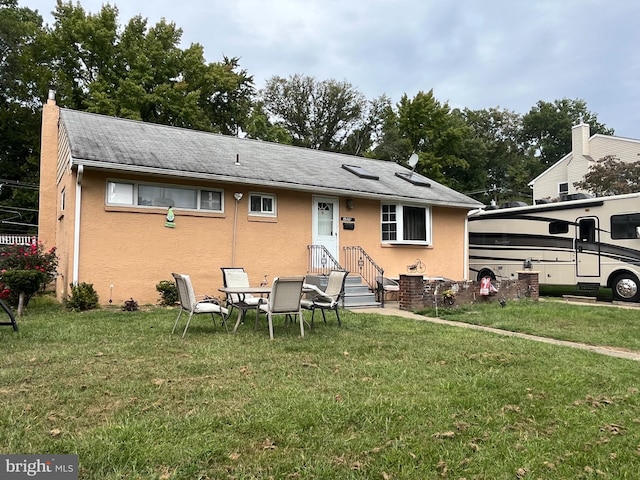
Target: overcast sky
[{"x": 473, "y": 53}]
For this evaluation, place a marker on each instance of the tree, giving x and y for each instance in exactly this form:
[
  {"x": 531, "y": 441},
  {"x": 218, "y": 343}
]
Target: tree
[
  {"x": 261, "y": 127},
  {"x": 505, "y": 166},
  {"x": 391, "y": 144},
  {"x": 611, "y": 176},
  {"x": 546, "y": 129},
  {"x": 141, "y": 73},
  {"x": 368, "y": 130},
  {"x": 316, "y": 114},
  {"x": 441, "y": 139},
  {"x": 226, "y": 95},
  {"x": 21, "y": 79}
]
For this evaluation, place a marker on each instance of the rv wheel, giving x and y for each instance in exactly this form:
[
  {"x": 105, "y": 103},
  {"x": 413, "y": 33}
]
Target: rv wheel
[{"x": 626, "y": 288}]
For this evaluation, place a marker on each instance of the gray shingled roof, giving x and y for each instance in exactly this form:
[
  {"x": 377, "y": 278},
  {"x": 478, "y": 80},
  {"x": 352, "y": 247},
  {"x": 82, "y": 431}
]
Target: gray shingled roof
[{"x": 111, "y": 143}]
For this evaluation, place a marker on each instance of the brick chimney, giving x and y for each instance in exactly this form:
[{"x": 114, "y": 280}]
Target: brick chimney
[{"x": 48, "y": 198}]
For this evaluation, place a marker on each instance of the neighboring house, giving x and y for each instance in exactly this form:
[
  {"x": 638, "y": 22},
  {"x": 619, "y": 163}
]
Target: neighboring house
[
  {"x": 106, "y": 185},
  {"x": 557, "y": 180}
]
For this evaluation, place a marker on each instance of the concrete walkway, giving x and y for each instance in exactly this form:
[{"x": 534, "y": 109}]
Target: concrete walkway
[{"x": 391, "y": 308}]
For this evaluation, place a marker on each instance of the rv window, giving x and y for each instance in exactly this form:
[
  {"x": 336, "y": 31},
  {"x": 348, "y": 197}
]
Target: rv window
[
  {"x": 558, "y": 227},
  {"x": 625, "y": 226}
]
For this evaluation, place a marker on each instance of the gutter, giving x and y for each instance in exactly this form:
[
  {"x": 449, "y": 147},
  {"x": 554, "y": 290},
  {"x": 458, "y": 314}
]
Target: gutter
[{"x": 276, "y": 184}]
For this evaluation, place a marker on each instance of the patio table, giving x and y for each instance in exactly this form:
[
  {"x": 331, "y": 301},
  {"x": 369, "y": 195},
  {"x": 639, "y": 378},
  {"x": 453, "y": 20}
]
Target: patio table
[{"x": 263, "y": 290}]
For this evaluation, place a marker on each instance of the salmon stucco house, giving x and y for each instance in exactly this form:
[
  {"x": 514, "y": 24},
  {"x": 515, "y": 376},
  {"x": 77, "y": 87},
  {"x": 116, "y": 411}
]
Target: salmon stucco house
[{"x": 107, "y": 185}]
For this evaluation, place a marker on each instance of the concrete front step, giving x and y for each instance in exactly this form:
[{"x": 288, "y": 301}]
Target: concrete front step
[
  {"x": 357, "y": 293},
  {"x": 361, "y": 303}
]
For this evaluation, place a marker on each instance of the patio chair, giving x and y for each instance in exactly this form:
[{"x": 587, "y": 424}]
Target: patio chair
[
  {"x": 330, "y": 298},
  {"x": 237, "y": 277},
  {"x": 386, "y": 286},
  {"x": 12, "y": 317},
  {"x": 284, "y": 299},
  {"x": 188, "y": 303}
]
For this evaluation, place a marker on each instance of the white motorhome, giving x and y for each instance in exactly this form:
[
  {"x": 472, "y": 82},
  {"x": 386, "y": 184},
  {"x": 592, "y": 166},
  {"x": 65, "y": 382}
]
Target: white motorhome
[{"x": 589, "y": 243}]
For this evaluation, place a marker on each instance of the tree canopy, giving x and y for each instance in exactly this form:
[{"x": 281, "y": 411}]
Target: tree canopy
[
  {"x": 315, "y": 114},
  {"x": 546, "y": 129},
  {"x": 140, "y": 72}
]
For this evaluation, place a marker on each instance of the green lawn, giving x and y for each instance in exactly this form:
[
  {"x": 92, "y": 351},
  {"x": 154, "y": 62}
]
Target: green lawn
[
  {"x": 380, "y": 397},
  {"x": 594, "y": 325}
]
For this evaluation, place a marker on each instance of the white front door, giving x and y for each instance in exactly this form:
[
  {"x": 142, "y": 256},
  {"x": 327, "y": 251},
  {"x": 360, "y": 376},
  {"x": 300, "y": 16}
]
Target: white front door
[{"x": 325, "y": 223}]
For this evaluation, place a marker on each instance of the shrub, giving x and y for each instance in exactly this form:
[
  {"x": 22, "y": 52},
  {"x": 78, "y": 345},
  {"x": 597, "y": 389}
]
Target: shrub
[
  {"x": 83, "y": 297},
  {"x": 130, "y": 306},
  {"x": 168, "y": 292}
]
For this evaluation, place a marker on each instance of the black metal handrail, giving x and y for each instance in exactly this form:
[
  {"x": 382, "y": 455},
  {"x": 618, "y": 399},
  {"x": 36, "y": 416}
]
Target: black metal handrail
[
  {"x": 357, "y": 261},
  {"x": 321, "y": 261}
]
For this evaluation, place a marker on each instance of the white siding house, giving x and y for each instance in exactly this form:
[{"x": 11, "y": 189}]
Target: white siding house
[{"x": 559, "y": 178}]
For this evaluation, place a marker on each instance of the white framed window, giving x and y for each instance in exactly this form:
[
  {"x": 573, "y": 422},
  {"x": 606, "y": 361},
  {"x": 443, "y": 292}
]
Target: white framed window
[
  {"x": 404, "y": 223},
  {"x": 120, "y": 193},
  {"x": 63, "y": 199},
  {"x": 158, "y": 195},
  {"x": 563, "y": 188},
  {"x": 262, "y": 204}
]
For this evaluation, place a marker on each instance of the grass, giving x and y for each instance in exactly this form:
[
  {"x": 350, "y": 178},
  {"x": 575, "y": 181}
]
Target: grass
[
  {"x": 594, "y": 325},
  {"x": 380, "y": 397},
  {"x": 603, "y": 294}
]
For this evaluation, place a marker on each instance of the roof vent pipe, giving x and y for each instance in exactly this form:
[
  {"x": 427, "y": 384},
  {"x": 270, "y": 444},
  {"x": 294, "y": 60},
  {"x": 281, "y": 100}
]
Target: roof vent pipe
[{"x": 237, "y": 159}]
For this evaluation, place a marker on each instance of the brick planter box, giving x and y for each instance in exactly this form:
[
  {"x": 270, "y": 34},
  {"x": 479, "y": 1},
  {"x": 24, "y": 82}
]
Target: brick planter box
[{"x": 417, "y": 294}]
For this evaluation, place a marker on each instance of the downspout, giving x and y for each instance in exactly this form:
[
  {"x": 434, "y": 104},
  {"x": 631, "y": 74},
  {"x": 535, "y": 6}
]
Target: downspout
[
  {"x": 237, "y": 196},
  {"x": 465, "y": 274},
  {"x": 76, "y": 225}
]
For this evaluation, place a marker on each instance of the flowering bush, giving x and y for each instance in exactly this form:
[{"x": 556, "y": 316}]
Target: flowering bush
[
  {"x": 38, "y": 268},
  {"x": 29, "y": 257}
]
